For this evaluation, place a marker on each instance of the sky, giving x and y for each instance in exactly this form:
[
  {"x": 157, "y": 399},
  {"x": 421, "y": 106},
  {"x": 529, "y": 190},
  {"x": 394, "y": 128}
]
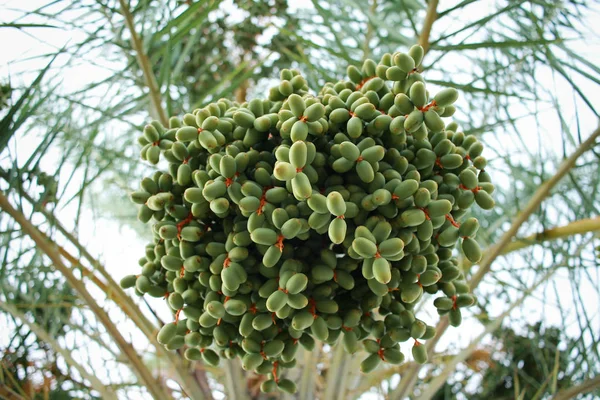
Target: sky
[{"x": 118, "y": 247}]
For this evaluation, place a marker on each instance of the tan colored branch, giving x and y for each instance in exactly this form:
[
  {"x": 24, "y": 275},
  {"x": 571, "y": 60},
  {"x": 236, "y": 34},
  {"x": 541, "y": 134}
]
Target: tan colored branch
[
  {"x": 198, "y": 385},
  {"x": 105, "y": 391},
  {"x": 51, "y": 251},
  {"x": 430, "y": 18},
  {"x": 585, "y": 387},
  {"x": 542, "y": 193},
  {"x": 144, "y": 64},
  {"x": 574, "y": 228},
  {"x": 23, "y": 389},
  {"x": 9, "y": 394},
  {"x": 113, "y": 291},
  {"x": 148, "y": 329}
]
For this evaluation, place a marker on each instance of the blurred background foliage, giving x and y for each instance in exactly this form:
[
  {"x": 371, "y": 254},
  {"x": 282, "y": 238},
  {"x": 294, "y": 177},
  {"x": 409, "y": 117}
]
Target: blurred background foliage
[{"x": 70, "y": 111}]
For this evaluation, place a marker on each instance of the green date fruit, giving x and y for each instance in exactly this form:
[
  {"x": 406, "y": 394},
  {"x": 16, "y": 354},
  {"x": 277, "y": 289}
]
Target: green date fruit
[{"x": 327, "y": 215}]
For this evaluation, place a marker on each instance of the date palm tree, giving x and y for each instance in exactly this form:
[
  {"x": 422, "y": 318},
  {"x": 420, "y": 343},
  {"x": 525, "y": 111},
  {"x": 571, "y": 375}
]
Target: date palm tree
[{"x": 529, "y": 77}]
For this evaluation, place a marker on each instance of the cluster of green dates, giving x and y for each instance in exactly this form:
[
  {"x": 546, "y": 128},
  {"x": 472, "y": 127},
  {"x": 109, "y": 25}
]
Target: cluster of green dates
[{"x": 306, "y": 217}]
